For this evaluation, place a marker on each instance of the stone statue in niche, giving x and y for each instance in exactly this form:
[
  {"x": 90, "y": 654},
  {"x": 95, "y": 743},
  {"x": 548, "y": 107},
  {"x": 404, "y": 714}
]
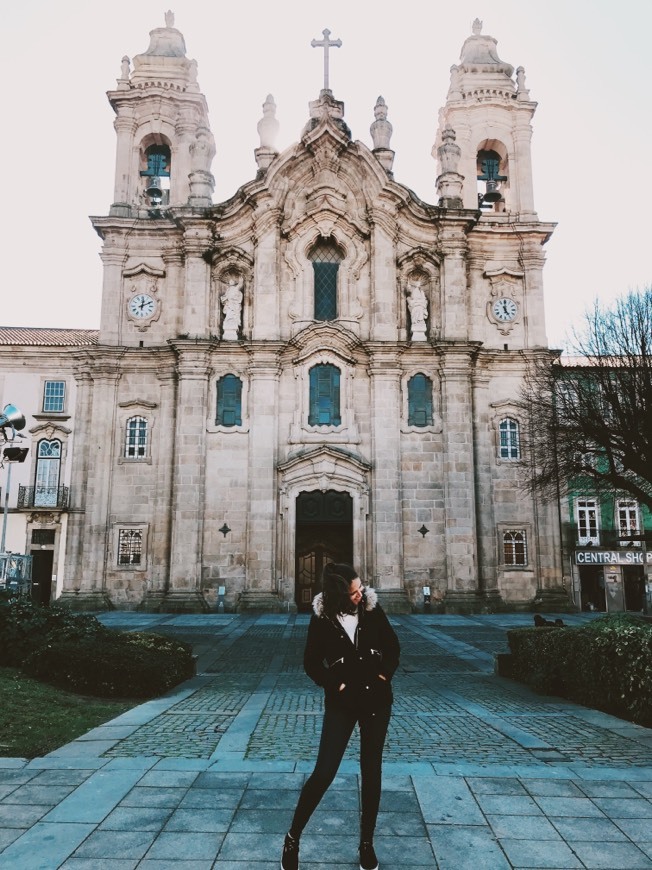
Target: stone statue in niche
[
  {"x": 418, "y": 308},
  {"x": 231, "y": 301}
]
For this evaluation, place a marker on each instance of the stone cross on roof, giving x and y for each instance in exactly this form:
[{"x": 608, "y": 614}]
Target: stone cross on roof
[{"x": 326, "y": 44}]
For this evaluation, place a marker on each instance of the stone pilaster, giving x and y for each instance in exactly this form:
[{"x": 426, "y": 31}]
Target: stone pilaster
[
  {"x": 125, "y": 127},
  {"x": 484, "y": 494},
  {"x": 260, "y": 592},
  {"x": 523, "y": 147},
  {"x": 198, "y": 240},
  {"x": 385, "y": 374},
  {"x": 79, "y": 475},
  {"x": 112, "y": 314},
  {"x": 266, "y": 320},
  {"x": 174, "y": 287},
  {"x": 188, "y": 486},
  {"x": 163, "y": 456},
  {"x": 90, "y": 585},
  {"x": 459, "y": 477},
  {"x": 533, "y": 259},
  {"x": 384, "y": 314},
  {"x": 453, "y": 247}
]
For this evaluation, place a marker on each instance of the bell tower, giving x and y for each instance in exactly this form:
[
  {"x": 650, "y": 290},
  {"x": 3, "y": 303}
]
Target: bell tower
[
  {"x": 164, "y": 144},
  {"x": 491, "y": 115}
]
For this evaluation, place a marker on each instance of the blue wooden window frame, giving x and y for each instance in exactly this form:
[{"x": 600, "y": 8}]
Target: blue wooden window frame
[
  {"x": 229, "y": 401},
  {"x": 54, "y": 397},
  {"x": 324, "y": 396},
  {"x": 419, "y": 401}
]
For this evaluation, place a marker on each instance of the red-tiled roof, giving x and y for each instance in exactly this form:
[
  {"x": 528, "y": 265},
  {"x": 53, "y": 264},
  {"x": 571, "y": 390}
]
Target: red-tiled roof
[{"x": 29, "y": 335}]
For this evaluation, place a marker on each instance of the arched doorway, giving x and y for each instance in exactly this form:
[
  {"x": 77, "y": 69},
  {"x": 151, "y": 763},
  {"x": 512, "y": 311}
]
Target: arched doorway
[{"x": 324, "y": 534}]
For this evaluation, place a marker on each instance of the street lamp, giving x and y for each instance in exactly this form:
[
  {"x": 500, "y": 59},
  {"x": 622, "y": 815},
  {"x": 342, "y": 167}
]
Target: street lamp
[{"x": 10, "y": 419}]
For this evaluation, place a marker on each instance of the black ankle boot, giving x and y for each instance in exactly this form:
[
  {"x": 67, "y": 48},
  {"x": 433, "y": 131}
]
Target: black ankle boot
[
  {"x": 368, "y": 860},
  {"x": 290, "y": 858}
]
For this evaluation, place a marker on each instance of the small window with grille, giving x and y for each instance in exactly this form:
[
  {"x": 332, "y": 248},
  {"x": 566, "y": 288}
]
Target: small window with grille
[
  {"x": 54, "y": 395},
  {"x": 326, "y": 257},
  {"x": 130, "y": 546},
  {"x": 515, "y": 547},
  {"x": 136, "y": 438},
  {"x": 43, "y": 537}
]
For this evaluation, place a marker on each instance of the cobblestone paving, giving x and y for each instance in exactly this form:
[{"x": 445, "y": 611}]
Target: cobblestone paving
[{"x": 449, "y": 707}]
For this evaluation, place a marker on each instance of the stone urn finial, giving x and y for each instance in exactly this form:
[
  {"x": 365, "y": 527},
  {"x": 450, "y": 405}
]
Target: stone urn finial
[
  {"x": 381, "y": 129},
  {"x": 268, "y": 125},
  {"x": 268, "y": 131},
  {"x": 449, "y": 152}
]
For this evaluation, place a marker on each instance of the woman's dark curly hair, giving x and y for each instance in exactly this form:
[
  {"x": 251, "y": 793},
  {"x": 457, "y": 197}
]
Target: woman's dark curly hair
[{"x": 336, "y": 579}]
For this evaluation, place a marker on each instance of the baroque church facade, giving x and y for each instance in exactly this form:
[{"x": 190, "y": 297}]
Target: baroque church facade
[{"x": 323, "y": 367}]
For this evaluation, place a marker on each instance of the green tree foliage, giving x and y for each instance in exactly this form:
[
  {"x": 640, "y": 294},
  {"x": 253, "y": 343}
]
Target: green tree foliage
[{"x": 588, "y": 414}]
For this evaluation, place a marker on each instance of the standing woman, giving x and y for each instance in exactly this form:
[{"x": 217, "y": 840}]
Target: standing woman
[{"x": 352, "y": 652}]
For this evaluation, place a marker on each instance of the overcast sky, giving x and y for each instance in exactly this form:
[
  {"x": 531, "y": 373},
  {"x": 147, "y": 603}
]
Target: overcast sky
[{"x": 587, "y": 64}]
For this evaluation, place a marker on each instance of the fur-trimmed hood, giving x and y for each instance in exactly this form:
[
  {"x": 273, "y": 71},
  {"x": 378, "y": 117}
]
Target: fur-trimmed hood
[{"x": 370, "y": 601}]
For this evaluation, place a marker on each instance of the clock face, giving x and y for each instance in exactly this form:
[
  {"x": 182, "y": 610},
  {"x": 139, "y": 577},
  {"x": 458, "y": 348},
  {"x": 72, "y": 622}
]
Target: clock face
[
  {"x": 142, "y": 305},
  {"x": 504, "y": 309}
]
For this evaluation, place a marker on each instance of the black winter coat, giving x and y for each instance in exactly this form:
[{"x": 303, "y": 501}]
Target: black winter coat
[{"x": 330, "y": 658}]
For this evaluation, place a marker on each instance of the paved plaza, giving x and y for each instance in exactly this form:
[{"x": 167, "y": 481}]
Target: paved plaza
[{"x": 479, "y": 773}]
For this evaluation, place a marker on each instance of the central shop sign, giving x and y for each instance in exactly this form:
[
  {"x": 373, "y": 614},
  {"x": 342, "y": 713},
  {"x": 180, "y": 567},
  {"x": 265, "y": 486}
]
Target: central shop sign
[{"x": 612, "y": 557}]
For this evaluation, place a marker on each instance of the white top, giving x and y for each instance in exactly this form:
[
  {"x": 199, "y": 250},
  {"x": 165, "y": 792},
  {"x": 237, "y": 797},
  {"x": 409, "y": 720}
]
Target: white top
[{"x": 349, "y": 622}]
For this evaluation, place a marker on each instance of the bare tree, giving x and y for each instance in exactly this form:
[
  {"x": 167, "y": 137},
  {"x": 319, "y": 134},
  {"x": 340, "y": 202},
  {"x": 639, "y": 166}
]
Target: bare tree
[{"x": 588, "y": 413}]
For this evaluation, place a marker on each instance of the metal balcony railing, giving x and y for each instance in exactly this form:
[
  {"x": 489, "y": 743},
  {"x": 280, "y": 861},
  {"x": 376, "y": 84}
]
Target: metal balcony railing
[{"x": 43, "y": 497}]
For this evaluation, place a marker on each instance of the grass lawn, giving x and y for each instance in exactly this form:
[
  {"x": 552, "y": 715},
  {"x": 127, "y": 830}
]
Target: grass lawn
[{"x": 37, "y": 718}]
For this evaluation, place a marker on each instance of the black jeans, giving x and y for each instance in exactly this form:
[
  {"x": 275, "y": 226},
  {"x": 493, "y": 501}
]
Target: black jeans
[{"x": 336, "y": 731}]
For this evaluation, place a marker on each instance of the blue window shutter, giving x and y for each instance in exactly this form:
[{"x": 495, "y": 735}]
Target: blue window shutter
[
  {"x": 229, "y": 401},
  {"x": 419, "y": 401},
  {"x": 324, "y": 396}
]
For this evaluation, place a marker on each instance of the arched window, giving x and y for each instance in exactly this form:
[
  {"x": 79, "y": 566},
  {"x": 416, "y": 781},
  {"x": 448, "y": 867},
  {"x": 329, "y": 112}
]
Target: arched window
[
  {"x": 229, "y": 401},
  {"x": 489, "y": 173},
  {"x": 419, "y": 401},
  {"x": 326, "y": 258},
  {"x": 515, "y": 547},
  {"x": 158, "y": 162},
  {"x": 510, "y": 447},
  {"x": 324, "y": 396},
  {"x": 136, "y": 438},
  {"x": 48, "y": 465}
]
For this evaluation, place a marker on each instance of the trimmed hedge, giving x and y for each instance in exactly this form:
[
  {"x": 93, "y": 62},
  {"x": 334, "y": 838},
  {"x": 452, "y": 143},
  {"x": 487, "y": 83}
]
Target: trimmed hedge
[
  {"x": 113, "y": 664},
  {"x": 78, "y": 653},
  {"x": 606, "y": 664},
  {"x": 24, "y": 626}
]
